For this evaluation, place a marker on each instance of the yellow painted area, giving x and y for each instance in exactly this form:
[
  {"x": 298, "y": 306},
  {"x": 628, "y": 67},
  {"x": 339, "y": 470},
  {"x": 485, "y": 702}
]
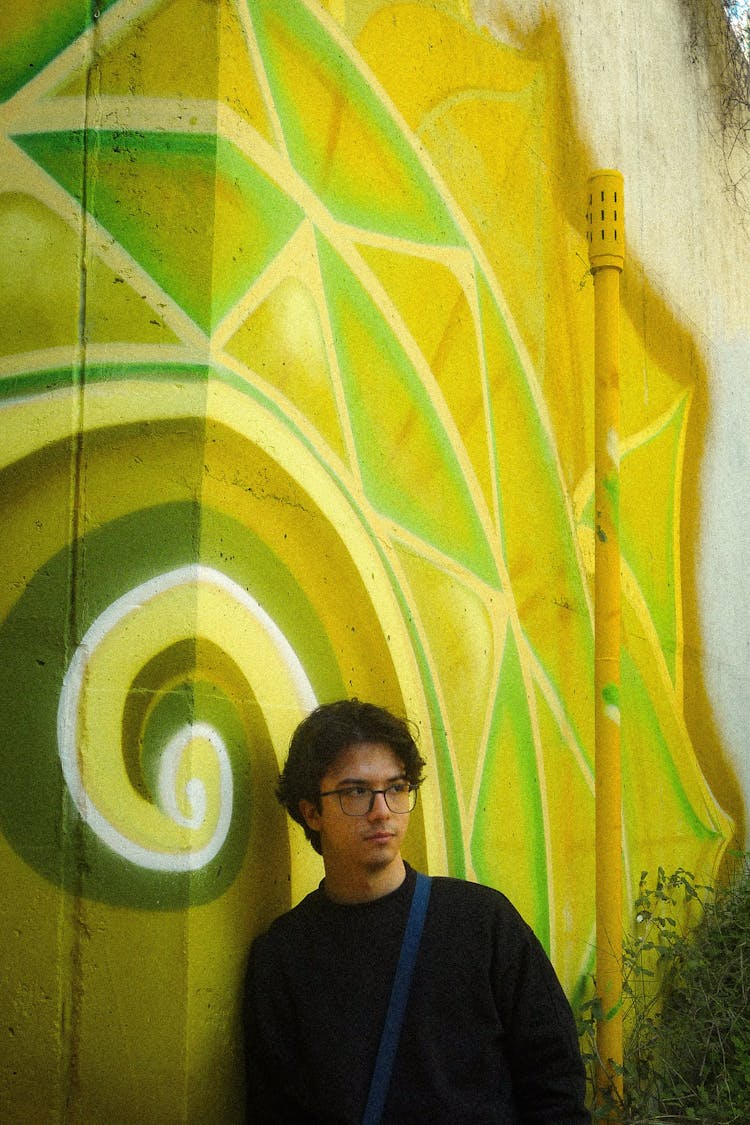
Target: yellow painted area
[
  {"x": 570, "y": 800},
  {"x": 446, "y": 331},
  {"x": 464, "y": 632},
  {"x": 282, "y": 341},
  {"x": 295, "y": 308}
]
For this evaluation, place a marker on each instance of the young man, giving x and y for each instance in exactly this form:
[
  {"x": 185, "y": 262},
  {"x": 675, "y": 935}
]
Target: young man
[{"x": 488, "y": 1036}]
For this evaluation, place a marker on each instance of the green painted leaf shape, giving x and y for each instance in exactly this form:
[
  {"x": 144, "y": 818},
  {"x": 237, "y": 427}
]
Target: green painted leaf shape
[
  {"x": 341, "y": 135},
  {"x": 409, "y": 468},
  {"x": 198, "y": 216}
]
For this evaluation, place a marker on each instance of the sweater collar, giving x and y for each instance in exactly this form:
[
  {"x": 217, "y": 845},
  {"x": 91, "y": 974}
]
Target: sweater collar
[{"x": 404, "y": 890}]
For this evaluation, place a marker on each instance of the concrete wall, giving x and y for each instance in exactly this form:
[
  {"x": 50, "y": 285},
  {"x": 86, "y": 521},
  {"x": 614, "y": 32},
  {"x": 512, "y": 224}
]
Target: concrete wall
[{"x": 296, "y": 377}]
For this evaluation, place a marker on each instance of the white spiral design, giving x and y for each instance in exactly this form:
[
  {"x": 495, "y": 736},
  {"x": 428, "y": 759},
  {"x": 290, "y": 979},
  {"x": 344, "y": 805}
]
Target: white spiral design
[{"x": 175, "y": 830}]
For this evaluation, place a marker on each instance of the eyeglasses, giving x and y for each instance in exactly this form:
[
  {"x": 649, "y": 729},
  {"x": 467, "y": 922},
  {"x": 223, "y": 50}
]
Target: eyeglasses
[{"x": 358, "y": 800}]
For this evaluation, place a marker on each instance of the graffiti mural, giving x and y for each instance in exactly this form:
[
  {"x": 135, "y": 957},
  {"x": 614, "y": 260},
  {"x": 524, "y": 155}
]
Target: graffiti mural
[{"x": 296, "y": 404}]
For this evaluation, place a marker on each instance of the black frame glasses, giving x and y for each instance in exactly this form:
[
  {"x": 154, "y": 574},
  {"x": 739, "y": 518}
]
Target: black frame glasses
[{"x": 358, "y": 800}]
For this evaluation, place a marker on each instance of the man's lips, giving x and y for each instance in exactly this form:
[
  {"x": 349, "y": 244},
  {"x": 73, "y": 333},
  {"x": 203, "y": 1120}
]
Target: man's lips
[{"x": 380, "y": 837}]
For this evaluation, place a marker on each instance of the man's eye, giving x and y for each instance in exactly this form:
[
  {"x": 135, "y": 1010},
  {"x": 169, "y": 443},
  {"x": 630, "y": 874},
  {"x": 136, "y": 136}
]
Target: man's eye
[
  {"x": 399, "y": 787},
  {"x": 355, "y": 791}
]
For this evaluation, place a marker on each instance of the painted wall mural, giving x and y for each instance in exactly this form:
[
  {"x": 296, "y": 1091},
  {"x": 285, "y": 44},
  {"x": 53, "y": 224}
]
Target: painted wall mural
[{"x": 296, "y": 403}]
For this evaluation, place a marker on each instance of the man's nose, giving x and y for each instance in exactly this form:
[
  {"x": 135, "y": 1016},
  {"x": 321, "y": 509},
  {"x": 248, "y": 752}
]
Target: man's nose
[{"x": 379, "y": 806}]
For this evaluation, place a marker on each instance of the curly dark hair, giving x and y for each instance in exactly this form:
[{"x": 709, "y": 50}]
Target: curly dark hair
[{"x": 323, "y": 735}]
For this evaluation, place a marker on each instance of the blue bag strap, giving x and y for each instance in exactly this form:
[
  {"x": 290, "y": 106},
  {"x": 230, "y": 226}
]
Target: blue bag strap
[{"x": 381, "y": 1077}]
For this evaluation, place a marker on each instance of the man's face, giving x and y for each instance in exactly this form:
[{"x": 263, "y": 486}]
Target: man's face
[{"x": 359, "y": 843}]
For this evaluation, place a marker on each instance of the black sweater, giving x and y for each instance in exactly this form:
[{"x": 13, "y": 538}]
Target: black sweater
[{"x": 488, "y": 1035}]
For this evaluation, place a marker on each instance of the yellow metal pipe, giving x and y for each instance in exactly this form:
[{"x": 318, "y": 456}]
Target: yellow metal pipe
[{"x": 606, "y": 256}]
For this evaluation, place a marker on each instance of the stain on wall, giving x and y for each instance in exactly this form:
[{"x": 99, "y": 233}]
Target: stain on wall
[{"x": 297, "y": 403}]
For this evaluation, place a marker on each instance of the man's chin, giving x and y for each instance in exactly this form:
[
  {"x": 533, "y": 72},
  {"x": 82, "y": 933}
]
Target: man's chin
[{"x": 382, "y": 856}]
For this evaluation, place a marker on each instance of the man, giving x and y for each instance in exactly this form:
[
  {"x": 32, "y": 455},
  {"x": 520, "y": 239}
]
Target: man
[{"x": 488, "y": 1036}]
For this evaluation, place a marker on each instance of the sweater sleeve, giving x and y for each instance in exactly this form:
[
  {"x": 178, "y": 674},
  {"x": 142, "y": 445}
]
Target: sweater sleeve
[
  {"x": 541, "y": 1040},
  {"x": 269, "y": 1100}
]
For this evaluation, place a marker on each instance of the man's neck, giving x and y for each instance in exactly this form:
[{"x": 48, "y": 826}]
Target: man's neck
[{"x": 352, "y": 887}]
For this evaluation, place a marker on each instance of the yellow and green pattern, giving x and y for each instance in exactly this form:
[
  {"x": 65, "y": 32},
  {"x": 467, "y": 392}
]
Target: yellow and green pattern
[{"x": 295, "y": 404}]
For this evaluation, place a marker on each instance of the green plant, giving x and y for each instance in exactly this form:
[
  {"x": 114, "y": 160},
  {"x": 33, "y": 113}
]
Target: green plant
[{"x": 686, "y": 1005}]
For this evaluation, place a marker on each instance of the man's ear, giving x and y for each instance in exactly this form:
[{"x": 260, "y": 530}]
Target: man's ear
[{"x": 311, "y": 814}]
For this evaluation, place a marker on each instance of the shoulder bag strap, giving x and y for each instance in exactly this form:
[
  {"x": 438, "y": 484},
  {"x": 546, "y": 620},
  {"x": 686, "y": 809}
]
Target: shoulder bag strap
[{"x": 389, "y": 1039}]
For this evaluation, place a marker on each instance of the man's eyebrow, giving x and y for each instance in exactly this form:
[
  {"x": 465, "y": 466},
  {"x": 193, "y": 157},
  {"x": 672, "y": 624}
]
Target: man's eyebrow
[{"x": 363, "y": 781}]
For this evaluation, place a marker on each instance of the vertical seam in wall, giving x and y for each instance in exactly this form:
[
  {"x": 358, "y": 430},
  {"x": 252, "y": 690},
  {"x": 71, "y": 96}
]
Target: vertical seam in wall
[{"x": 73, "y": 843}]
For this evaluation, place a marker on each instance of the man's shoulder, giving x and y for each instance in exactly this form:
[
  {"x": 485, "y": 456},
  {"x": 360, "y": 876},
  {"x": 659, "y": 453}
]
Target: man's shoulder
[
  {"x": 290, "y": 924},
  {"x": 474, "y": 894},
  {"x": 470, "y": 903},
  {"x": 477, "y": 919}
]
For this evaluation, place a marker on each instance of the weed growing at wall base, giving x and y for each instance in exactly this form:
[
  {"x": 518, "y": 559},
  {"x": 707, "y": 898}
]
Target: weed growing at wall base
[{"x": 686, "y": 1005}]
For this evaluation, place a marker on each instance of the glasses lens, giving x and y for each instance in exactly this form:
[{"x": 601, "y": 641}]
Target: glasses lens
[
  {"x": 358, "y": 801},
  {"x": 400, "y": 798},
  {"x": 355, "y": 802}
]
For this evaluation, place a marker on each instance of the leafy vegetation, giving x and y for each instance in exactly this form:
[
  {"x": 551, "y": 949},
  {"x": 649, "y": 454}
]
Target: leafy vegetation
[{"x": 686, "y": 1005}]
